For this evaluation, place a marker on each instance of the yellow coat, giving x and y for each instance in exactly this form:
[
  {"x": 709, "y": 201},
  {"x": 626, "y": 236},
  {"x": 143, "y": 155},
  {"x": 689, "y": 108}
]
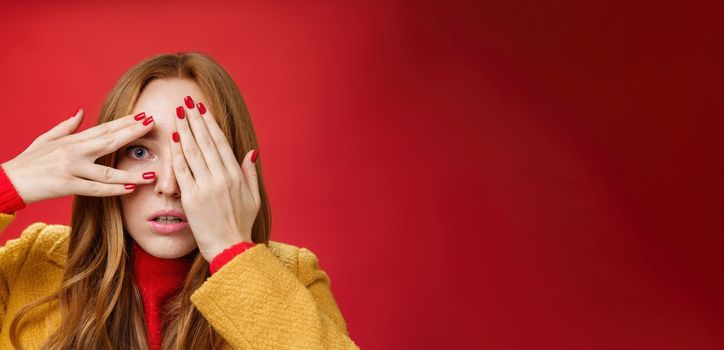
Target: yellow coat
[{"x": 269, "y": 297}]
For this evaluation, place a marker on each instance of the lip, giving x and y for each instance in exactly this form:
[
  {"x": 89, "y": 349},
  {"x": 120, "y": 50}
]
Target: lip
[
  {"x": 167, "y": 212},
  {"x": 167, "y": 227}
]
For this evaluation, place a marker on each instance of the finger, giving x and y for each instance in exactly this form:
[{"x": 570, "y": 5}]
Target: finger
[
  {"x": 96, "y": 189},
  {"x": 249, "y": 168},
  {"x": 180, "y": 167},
  {"x": 110, "y": 142},
  {"x": 203, "y": 138},
  {"x": 109, "y": 127},
  {"x": 64, "y": 128},
  {"x": 191, "y": 151},
  {"x": 100, "y": 173},
  {"x": 222, "y": 143}
]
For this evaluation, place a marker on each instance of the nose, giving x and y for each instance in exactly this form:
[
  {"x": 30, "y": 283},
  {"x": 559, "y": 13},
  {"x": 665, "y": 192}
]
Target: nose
[{"x": 165, "y": 184}]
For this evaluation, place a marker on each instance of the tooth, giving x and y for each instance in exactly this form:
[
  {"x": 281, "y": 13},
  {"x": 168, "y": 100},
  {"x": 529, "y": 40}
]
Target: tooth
[{"x": 168, "y": 219}]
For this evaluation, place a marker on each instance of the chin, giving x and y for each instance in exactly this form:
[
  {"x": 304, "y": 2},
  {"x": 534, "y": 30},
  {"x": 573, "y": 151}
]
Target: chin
[{"x": 167, "y": 246}]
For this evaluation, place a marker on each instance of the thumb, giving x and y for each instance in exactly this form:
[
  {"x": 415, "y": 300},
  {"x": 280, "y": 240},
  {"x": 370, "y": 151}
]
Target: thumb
[
  {"x": 250, "y": 175},
  {"x": 64, "y": 128}
]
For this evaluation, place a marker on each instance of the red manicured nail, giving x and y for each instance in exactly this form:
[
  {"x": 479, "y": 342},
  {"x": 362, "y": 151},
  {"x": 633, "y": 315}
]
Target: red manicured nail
[
  {"x": 202, "y": 108},
  {"x": 129, "y": 186},
  {"x": 175, "y": 136},
  {"x": 149, "y": 175},
  {"x": 253, "y": 156},
  {"x": 74, "y": 114},
  {"x": 139, "y": 116},
  {"x": 189, "y": 102},
  {"x": 148, "y": 121},
  {"x": 180, "y": 113}
]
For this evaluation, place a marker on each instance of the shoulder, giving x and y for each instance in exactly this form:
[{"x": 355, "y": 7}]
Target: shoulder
[
  {"x": 40, "y": 236},
  {"x": 37, "y": 241}
]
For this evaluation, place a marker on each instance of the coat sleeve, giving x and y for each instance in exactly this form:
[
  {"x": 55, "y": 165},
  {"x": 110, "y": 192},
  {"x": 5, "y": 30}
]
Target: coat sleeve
[
  {"x": 256, "y": 302},
  {"x": 12, "y": 257}
]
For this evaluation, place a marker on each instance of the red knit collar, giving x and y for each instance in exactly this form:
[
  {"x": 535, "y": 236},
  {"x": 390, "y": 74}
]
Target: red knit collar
[{"x": 158, "y": 280}]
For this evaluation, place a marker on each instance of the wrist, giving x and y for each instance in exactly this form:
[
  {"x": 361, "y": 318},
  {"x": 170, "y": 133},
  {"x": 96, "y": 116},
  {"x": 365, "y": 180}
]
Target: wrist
[
  {"x": 210, "y": 254},
  {"x": 16, "y": 181},
  {"x": 229, "y": 253}
]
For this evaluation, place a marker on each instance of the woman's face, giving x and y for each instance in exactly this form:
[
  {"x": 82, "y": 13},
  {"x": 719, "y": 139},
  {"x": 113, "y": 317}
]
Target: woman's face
[{"x": 152, "y": 153}]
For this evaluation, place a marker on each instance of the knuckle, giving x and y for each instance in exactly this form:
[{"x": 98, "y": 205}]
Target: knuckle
[
  {"x": 95, "y": 188},
  {"x": 194, "y": 152},
  {"x": 108, "y": 173},
  {"x": 109, "y": 139},
  {"x": 208, "y": 142},
  {"x": 182, "y": 169},
  {"x": 105, "y": 129}
]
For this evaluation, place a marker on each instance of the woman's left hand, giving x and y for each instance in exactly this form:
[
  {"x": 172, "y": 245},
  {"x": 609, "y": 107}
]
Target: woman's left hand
[{"x": 220, "y": 198}]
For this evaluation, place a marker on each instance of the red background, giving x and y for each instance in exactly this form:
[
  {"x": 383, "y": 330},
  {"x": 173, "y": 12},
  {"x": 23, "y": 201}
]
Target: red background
[{"x": 499, "y": 175}]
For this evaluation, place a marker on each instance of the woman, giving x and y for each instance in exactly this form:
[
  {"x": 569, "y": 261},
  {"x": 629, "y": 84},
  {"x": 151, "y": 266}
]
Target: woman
[{"x": 169, "y": 244}]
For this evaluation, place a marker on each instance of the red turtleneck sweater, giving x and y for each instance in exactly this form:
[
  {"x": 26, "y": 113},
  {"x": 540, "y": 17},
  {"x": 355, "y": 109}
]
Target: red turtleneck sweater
[{"x": 158, "y": 279}]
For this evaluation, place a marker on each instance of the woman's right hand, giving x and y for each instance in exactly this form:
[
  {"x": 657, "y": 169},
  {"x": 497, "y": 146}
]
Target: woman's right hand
[{"x": 60, "y": 163}]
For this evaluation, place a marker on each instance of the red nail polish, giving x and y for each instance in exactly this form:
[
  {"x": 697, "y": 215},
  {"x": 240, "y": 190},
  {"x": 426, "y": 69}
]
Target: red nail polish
[
  {"x": 148, "y": 121},
  {"x": 139, "y": 116},
  {"x": 175, "y": 136},
  {"x": 202, "y": 108},
  {"x": 149, "y": 175},
  {"x": 253, "y": 156},
  {"x": 180, "y": 113},
  {"x": 129, "y": 186},
  {"x": 189, "y": 102}
]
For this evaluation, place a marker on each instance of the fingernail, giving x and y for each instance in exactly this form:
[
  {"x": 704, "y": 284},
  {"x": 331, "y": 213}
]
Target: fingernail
[
  {"x": 129, "y": 186},
  {"x": 180, "y": 112},
  {"x": 148, "y": 121},
  {"x": 139, "y": 116},
  {"x": 149, "y": 175},
  {"x": 175, "y": 136},
  {"x": 202, "y": 108},
  {"x": 189, "y": 102},
  {"x": 74, "y": 114},
  {"x": 253, "y": 156}
]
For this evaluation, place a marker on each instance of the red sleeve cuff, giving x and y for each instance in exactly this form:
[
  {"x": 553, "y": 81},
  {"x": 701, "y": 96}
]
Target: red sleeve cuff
[
  {"x": 10, "y": 200},
  {"x": 227, "y": 254}
]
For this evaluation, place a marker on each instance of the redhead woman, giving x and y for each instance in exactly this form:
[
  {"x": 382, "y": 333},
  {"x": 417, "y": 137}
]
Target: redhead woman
[{"x": 169, "y": 244}]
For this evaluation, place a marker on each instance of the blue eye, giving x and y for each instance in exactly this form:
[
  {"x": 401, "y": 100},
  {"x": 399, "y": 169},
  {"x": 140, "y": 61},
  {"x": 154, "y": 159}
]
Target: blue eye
[{"x": 136, "y": 151}]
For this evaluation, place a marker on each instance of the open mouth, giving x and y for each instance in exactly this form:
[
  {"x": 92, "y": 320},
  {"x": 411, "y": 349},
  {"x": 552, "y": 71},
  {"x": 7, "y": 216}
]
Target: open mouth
[
  {"x": 167, "y": 219},
  {"x": 167, "y": 224}
]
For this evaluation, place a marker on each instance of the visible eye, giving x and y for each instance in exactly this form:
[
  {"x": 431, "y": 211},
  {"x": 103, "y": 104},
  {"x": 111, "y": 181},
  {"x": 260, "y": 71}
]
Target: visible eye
[{"x": 136, "y": 151}]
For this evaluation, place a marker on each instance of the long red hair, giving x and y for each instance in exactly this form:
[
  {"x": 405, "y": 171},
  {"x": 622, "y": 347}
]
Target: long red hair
[{"x": 99, "y": 303}]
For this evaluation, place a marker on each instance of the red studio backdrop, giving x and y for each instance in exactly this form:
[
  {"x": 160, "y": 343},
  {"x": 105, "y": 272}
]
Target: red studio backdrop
[{"x": 471, "y": 174}]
